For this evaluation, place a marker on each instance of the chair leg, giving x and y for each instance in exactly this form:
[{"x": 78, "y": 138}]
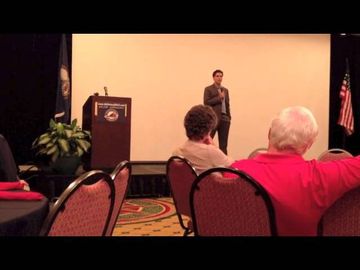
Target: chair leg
[{"x": 187, "y": 232}]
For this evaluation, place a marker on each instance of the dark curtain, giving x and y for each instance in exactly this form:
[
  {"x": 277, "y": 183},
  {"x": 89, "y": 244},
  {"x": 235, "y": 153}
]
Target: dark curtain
[
  {"x": 28, "y": 83},
  {"x": 342, "y": 47}
]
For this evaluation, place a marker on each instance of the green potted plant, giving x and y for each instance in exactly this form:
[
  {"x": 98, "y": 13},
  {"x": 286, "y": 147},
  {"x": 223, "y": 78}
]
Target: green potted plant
[{"x": 63, "y": 145}]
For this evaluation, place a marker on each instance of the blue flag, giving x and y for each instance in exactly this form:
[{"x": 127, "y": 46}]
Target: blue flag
[{"x": 63, "y": 101}]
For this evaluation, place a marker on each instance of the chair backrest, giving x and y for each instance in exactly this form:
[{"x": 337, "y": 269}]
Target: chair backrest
[
  {"x": 334, "y": 154},
  {"x": 181, "y": 175},
  {"x": 230, "y": 206},
  {"x": 257, "y": 151},
  {"x": 84, "y": 208},
  {"x": 121, "y": 177},
  {"x": 343, "y": 217},
  {"x": 8, "y": 168}
]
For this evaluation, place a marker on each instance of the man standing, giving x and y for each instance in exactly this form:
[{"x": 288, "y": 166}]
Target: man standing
[{"x": 217, "y": 97}]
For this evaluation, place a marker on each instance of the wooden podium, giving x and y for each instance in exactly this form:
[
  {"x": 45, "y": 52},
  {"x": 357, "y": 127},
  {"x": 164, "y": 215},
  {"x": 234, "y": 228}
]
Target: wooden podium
[{"x": 109, "y": 121}]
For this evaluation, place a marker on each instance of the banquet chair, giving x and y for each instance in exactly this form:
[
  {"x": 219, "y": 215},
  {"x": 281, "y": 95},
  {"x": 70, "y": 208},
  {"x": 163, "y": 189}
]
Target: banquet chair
[
  {"x": 181, "y": 175},
  {"x": 83, "y": 209},
  {"x": 343, "y": 217},
  {"x": 257, "y": 151},
  {"x": 334, "y": 154},
  {"x": 121, "y": 177},
  {"x": 236, "y": 206},
  {"x": 8, "y": 167}
]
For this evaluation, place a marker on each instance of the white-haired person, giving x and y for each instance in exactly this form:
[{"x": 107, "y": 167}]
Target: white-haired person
[
  {"x": 200, "y": 149},
  {"x": 300, "y": 190}
]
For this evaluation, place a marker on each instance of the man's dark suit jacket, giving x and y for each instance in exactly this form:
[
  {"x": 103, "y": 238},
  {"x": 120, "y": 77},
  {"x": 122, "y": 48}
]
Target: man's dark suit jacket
[{"x": 211, "y": 98}]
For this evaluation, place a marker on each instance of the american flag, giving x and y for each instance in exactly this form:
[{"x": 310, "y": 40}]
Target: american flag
[{"x": 346, "y": 117}]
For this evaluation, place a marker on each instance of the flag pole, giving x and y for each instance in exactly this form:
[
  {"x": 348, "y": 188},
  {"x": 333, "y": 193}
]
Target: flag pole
[{"x": 343, "y": 139}]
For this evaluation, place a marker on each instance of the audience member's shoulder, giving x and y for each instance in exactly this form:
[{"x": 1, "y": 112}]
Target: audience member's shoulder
[{"x": 176, "y": 152}]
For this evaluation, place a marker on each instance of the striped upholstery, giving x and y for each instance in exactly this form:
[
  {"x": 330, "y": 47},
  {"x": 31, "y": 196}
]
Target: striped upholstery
[
  {"x": 230, "y": 207},
  {"x": 334, "y": 154},
  {"x": 83, "y": 209},
  {"x": 121, "y": 178},
  {"x": 343, "y": 217},
  {"x": 181, "y": 175},
  {"x": 256, "y": 152}
]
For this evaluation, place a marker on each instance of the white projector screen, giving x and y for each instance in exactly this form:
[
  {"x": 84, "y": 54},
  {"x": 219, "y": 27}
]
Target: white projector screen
[{"x": 165, "y": 75}]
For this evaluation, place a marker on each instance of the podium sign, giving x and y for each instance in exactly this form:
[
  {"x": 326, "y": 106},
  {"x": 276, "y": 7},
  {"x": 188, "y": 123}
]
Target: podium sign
[
  {"x": 109, "y": 121},
  {"x": 111, "y": 112}
]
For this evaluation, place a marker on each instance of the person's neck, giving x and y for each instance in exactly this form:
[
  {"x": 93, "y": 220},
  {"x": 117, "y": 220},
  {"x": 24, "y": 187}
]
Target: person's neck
[
  {"x": 217, "y": 85},
  {"x": 202, "y": 140},
  {"x": 273, "y": 150}
]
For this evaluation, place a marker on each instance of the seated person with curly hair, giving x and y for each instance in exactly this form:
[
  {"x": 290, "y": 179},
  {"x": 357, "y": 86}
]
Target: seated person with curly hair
[{"x": 199, "y": 149}]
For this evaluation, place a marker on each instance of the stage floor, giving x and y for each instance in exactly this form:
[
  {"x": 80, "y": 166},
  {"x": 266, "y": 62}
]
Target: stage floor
[
  {"x": 148, "y": 169},
  {"x": 148, "y": 179}
]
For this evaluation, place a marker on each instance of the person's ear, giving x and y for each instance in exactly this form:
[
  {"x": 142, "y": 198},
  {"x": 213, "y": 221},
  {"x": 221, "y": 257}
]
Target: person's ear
[
  {"x": 309, "y": 145},
  {"x": 207, "y": 139}
]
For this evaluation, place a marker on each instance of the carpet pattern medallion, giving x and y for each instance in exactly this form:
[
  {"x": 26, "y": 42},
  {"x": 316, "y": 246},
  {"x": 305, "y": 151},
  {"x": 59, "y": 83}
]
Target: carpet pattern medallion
[{"x": 144, "y": 210}]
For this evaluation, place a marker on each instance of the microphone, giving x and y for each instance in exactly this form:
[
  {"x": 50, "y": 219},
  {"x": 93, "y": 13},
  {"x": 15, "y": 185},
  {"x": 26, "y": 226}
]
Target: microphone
[{"x": 106, "y": 92}]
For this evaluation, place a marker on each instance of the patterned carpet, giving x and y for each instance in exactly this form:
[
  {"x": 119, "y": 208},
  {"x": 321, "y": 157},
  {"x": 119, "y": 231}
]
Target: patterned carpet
[
  {"x": 143, "y": 210},
  {"x": 148, "y": 217}
]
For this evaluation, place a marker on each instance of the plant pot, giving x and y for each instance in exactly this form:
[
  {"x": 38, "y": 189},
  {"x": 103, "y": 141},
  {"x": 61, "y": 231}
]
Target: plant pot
[{"x": 66, "y": 165}]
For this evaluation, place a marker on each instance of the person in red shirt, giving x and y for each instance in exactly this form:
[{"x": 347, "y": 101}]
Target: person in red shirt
[{"x": 300, "y": 190}]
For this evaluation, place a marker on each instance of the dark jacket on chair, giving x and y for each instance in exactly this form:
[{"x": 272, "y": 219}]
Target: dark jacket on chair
[{"x": 8, "y": 168}]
